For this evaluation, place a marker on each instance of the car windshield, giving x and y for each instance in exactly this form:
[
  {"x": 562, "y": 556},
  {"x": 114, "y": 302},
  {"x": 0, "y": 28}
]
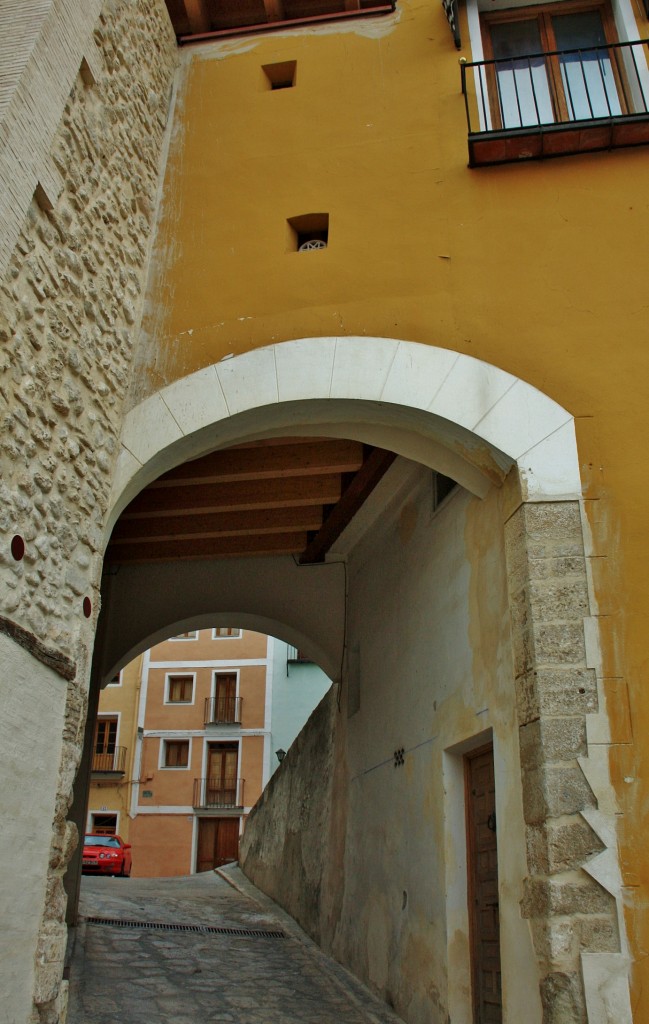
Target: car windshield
[{"x": 101, "y": 841}]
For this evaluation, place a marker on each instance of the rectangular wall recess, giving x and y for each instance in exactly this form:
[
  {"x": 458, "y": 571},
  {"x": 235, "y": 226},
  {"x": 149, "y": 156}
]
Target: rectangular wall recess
[
  {"x": 280, "y": 76},
  {"x": 308, "y": 231}
]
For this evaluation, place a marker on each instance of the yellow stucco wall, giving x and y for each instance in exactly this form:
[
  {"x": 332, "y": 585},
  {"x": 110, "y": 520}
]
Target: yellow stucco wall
[{"x": 538, "y": 268}]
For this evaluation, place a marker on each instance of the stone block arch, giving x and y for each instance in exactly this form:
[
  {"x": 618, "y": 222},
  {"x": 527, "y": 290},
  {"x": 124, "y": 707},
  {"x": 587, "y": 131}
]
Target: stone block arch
[
  {"x": 439, "y": 407},
  {"x": 482, "y": 426}
]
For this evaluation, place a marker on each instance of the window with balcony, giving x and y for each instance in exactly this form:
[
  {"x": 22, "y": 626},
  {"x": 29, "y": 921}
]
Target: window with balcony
[
  {"x": 556, "y": 80},
  {"x": 180, "y": 689},
  {"x": 224, "y": 708},
  {"x": 222, "y": 787},
  {"x": 224, "y": 632},
  {"x": 106, "y": 755}
]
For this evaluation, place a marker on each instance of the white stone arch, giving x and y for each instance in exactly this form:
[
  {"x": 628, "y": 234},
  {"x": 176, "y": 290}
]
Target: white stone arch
[
  {"x": 445, "y": 409},
  {"x": 449, "y": 411}
]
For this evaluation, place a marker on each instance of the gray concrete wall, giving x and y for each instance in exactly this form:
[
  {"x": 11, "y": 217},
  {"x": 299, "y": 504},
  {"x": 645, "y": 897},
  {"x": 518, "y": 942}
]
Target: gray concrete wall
[{"x": 287, "y": 842}]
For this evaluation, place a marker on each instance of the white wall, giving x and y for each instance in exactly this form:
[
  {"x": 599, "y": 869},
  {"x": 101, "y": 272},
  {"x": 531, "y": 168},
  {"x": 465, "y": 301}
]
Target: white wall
[
  {"x": 31, "y": 728},
  {"x": 295, "y": 695}
]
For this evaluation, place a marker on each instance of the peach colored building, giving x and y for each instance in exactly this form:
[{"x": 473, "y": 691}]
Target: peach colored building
[{"x": 200, "y": 715}]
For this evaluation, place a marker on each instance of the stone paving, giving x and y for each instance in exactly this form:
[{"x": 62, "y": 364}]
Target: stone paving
[{"x": 164, "y": 977}]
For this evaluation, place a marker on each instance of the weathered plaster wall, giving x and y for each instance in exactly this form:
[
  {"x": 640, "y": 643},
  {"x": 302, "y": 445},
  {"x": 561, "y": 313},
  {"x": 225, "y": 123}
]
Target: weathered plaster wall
[
  {"x": 83, "y": 119},
  {"x": 430, "y": 668},
  {"x": 463, "y": 625}
]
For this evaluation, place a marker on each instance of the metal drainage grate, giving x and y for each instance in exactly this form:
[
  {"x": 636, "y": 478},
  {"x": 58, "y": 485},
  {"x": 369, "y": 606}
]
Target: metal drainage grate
[{"x": 201, "y": 929}]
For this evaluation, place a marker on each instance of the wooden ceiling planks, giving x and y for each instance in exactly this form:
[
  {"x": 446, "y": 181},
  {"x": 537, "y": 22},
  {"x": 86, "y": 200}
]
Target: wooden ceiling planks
[
  {"x": 277, "y": 496},
  {"x": 196, "y": 19}
]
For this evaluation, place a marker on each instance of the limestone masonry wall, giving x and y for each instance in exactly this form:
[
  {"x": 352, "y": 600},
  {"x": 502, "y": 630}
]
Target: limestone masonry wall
[{"x": 69, "y": 311}]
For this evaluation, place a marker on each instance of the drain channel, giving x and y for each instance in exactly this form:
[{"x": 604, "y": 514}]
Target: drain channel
[{"x": 201, "y": 929}]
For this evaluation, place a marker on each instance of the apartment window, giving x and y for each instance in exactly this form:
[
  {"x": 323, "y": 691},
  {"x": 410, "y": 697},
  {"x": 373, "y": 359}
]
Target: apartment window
[
  {"x": 553, "y": 63},
  {"x": 116, "y": 680},
  {"x": 192, "y": 634},
  {"x": 222, "y": 632},
  {"x": 555, "y": 81},
  {"x": 180, "y": 689},
  {"x": 176, "y": 753},
  {"x": 106, "y": 735}
]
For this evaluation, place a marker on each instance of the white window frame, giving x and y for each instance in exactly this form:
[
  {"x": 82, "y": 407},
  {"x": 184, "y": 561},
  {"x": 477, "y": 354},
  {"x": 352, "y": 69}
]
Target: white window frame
[
  {"x": 162, "y": 754},
  {"x": 120, "y": 679},
  {"x": 179, "y": 703},
  {"x": 185, "y": 639},
  {"x": 626, "y": 27},
  {"x": 93, "y": 812},
  {"x": 225, "y": 672},
  {"x": 110, "y": 714},
  {"x": 211, "y": 741}
]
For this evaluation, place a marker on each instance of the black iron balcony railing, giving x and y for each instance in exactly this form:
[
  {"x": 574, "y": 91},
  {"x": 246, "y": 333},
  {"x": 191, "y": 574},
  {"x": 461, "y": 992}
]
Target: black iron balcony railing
[
  {"x": 556, "y": 103},
  {"x": 218, "y": 792},
  {"x": 109, "y": 760},
  {"x": 222, "y": 711}
]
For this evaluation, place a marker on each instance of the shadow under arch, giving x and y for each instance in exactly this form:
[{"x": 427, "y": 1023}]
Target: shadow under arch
[{"x": 242, "y": 601}]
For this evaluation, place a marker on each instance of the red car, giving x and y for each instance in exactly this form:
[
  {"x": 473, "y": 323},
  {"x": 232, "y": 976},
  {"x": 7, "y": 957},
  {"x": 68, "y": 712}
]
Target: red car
[{"x": 106, "y": 855}]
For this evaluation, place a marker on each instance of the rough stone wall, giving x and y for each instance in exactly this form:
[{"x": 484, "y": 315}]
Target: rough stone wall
[
  {"x": 285, "y": 846},
  {"x": 570, "y": 912},
  {"x": 69, "y": 310}
]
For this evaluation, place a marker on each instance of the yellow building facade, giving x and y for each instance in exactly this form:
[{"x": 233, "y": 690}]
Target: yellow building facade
[
  {"x": 534, "y": 267},
  {"x": 267, "y": 227},
  {"x": 115, "y": 740}
]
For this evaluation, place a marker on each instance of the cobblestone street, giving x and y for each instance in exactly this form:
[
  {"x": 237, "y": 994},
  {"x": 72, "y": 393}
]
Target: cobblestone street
[{"x": 163, "y": 976}]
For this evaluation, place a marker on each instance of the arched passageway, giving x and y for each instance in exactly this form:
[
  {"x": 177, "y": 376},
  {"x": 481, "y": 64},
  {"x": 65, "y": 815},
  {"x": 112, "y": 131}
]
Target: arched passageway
[{"x": 459, "y": 631}]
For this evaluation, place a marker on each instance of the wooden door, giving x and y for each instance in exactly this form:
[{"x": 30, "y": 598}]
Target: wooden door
[
  {"x": 218, "y": 842},
  {"x": 222, "y": 775},
  {"x": 226, "y": 692},
  {"x": 483, "y": 887}
]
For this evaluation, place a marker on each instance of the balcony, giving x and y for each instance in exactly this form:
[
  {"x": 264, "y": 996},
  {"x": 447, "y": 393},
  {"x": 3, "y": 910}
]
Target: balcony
[
  {"x": 109, "y": 762},
  {"x": 222, "y": 711},
  {"x": 218, "y": 793},
  {"x": 557, "y": 103}
]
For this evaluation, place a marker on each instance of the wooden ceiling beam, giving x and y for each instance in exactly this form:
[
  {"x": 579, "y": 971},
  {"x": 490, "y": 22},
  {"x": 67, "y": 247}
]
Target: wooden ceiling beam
[
  {"x": 375, "y": 466},
  {"x": 352, "y": 5},
  {"x": 218, "y": 547},
  {"x": 198, "y": 15},
  {"x": 300, "y": 519},
  {"x": 274, "y": 10},
  {"x": 235, "y": 497},
  {"x": 266, "y": 463}
]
